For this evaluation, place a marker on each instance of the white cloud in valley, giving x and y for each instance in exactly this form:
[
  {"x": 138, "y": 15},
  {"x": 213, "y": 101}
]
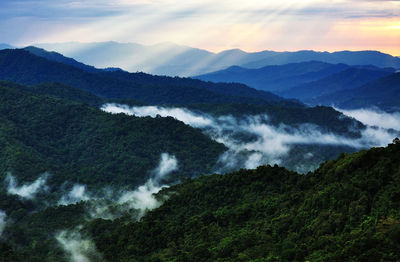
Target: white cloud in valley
[
  {"x": 109, "y": 203},
  {"x": 27, "y": 190},
  {"x": 375, "y": 117},
  {"x": 143, "y": 197},
  {"x": 76, "y": 194},
  {"x": 251, "y": 140},
  {"x": 77, "y": 248}
]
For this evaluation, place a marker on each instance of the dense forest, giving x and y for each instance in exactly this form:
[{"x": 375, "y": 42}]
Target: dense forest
[
  {"x": 347, "y": 210},
  {"x": 80, "y": 143}
]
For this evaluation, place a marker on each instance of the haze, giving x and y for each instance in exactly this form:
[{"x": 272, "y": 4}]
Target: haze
[{"x": 213, "y": 25}]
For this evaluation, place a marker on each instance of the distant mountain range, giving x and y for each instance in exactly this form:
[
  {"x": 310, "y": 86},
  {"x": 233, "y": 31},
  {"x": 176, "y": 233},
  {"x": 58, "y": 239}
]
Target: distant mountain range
[
  {"x": 312, "y": 82},
  {"x": 350, "y": 78},
  {"x": 23, "y": 67},
  {"x": 383, "y": 93},
  {"x": 5, "y": 46},
  {"x": 54, "y": 56},
  {"x": 276, "y": 78},
  {"x": 175, "y": 60},
  {"x": 317, "y": 83}
]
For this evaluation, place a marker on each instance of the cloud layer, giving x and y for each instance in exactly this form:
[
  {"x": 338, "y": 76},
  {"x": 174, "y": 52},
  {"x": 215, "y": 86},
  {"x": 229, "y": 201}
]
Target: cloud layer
[
  {"x": 252, "y": 141},
  {"x": 375, "y": 117}
]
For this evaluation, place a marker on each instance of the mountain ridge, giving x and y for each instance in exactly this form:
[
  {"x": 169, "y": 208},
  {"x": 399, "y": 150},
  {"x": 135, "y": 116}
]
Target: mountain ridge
[
  {"x": 175, "y": 60},
  {"x": 31, "y": 69}
]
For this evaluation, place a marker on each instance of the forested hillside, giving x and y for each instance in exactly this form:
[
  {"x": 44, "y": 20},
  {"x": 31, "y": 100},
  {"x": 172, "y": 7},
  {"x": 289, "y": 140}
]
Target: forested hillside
[
  {"x": 347, "y": 210},
  {"x": 77, "y": 142}
]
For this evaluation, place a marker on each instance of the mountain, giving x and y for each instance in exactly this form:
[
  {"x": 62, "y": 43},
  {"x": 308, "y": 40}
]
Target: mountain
[
  {"x": 374, "y": 58},
  {"x": 347, "y": 210},
  {"x": 59, "y": 91},
  {"x": 275, "y": 78},
  {"x": 383, "y": 93},
  {"x": 25, "y": 68},
  {"x": 5, "y": 46},
  {"x": 350, "y": 78},
  {"x": 161, "y": 59},
  {"x": 140, "y": 88},
  {"x": 78, "y": 143},
  {"x": 175, "y": 60},
  {"x": 54, "y": 56}
]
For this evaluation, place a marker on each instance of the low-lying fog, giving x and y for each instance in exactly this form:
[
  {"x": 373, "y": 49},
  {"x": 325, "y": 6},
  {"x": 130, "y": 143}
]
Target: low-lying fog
[{"x": 253, "y": 141}]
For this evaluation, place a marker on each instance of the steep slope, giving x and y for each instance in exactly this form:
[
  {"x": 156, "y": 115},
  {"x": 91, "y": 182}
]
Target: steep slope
[
  {"x": 79, "y": 143},
  {"x": 348, "y": 79},
  {"x": 348, "y": 210},
  {"x": 275, "y": 78},
  {"x": 383, "y": 93},
  {"x": 25, "y": 68},
  {"x": 174, "y": 60}
]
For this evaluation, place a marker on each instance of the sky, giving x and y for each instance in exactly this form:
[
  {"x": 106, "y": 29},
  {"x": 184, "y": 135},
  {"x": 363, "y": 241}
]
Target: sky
[{"x": 215, "y": 25}]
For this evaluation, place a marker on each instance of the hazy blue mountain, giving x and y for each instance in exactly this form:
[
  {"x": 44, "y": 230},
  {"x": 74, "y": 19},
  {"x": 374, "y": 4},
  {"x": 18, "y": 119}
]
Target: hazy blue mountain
[
  {"x": 352, "y": 77},
  {"x": 275, "y": 78},
  {"x": 383, "y": 93},
  {"x": 25, "y": 68},
  {"x": 54, "y": 56},
  {"x": 161, "y": 59},
  {"x": 5, "y": 46},
  {"x": 171, "y": 59},
  {"x": 347, "y": 57}
]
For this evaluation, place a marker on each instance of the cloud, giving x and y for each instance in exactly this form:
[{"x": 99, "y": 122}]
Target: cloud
[
  {"x": 252, "y": 141},
  {"x": 143, "y": 198},
  {"x": 168, "y": 164},
  {"x": 375, "y": 117},
  {"x": 110, "y": 203},
  {"x": 77, "y": 248},
  {"x": 80, "y": 249},
  {"x": 2, "y": 221},
  {"x": 182, "y": 114},
  {"x": 27, "y": 191},
  {"x": 77, "y": 194}
]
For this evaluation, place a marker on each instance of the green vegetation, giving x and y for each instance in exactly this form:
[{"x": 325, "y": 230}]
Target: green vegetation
[
  {"x": 347, "y": 210},
  {"x": 79, "y": 143}
]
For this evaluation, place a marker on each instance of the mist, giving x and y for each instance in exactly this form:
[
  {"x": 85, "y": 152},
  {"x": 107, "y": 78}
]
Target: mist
[
  {"x": 252, "y": 140},
  {"x": 27, "y": 191},
  {"x": 77, "y": 248},
  {"x": 3, "y": 217},
  {"x": 375, "y": 117},
  {"x": 111, "y": 203},
  {"x": 78, "y": 193},
  {"x": 143, "y": 198}
]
